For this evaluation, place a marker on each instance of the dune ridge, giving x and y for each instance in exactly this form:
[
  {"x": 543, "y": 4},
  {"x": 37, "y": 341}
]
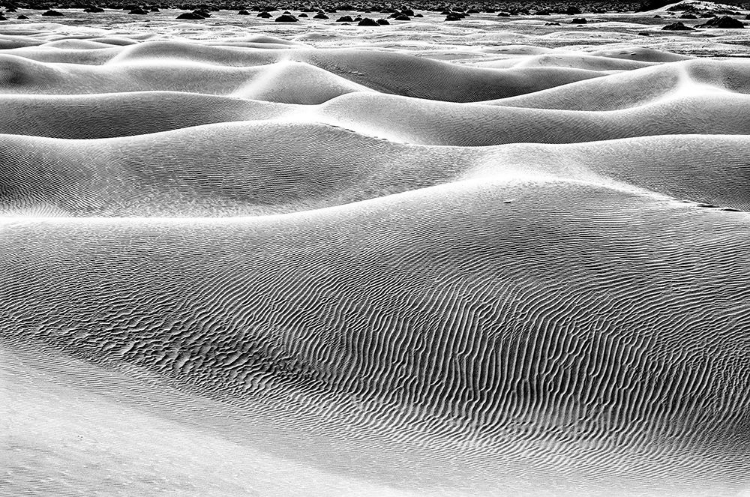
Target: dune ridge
[{"x": 363, "y": 269}]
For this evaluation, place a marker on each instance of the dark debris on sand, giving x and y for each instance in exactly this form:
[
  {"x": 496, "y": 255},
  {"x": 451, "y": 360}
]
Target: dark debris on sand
[{"x": 677, "y": 26}]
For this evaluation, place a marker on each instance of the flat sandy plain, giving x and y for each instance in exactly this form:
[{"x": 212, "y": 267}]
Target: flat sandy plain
[{"x": 485, "y": 257}]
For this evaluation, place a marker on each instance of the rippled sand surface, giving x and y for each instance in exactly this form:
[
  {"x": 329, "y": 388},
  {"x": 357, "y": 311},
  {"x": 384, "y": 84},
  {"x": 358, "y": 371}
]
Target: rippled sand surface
[{"x": 490, "y": 257}]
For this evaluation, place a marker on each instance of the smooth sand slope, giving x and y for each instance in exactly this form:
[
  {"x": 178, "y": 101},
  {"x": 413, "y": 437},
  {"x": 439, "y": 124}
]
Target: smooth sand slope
[
  {"x": 252, "y": 266},
  {"x": 398, "y": 119}
]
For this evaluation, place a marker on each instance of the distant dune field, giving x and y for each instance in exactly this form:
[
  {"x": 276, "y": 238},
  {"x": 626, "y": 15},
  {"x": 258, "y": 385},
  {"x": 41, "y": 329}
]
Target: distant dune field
[{"x": 487, "y": 257}]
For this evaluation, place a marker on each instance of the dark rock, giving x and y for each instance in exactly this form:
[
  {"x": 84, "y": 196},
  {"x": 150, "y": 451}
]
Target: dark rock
[
  {"x": 572, "y": 10},
  {"x": 368, "y": 22},
  {"x": 418, "y": 15},
  {"x": 22, "y": 17},
  {"x": 503, "y": 14},
  {"x": 724, "y": 22},
  {"x": 264, "y": 15},
  {"x": 579, "y": 20},
  {"x": 93, "y": 9},
  {"x": 286, "y": 18},
  {"x": 302, "y": 15},
  {"x": 407, "y": 12},
  {"x": 383, "y": 22},
  {"x": 52, "y": 13},
  {"x": 402, "y": 17},
  {"x": 688, "y": 15},
  {"x": 320, "y": 16},
  {"x": 454, "y": 16},
  {"x": 243, "y": 13},
  {"x": 345, "y": 19},
  {"x": 676, "y": 26},
  {"x": 138, "y": 11},
  {"x": 190, "y": 15}
]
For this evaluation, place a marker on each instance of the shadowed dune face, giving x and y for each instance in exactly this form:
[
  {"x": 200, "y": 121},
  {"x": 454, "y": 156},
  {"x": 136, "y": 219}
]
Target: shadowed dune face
[{"x": 258, "y": 266}]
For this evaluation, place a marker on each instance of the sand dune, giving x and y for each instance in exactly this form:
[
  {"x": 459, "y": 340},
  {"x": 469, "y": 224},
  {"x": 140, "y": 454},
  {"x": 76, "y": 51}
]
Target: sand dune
[
  {"x": 633, "y": 88},
  {"x": 126, "y": 114},
  {"x": 483, "y": 342},
  {"x": 398, "y": 119},
  {"x": 22, "y": 76},
  {"x": 238, "y": 258},
  {"x": 255, "y": 168},
  {"x": 641, "y": 54},
  {"x": 213, "y": 68},
  {"x": 440, "y": 123},
  {"x": 581, "y": 61}
]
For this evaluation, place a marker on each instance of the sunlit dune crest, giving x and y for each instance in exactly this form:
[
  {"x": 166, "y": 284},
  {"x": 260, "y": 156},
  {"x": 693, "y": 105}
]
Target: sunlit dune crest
[{"x": 492, "y": 255}]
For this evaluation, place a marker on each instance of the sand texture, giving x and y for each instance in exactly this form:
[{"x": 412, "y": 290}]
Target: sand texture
[{"x": 416, "y": 259}]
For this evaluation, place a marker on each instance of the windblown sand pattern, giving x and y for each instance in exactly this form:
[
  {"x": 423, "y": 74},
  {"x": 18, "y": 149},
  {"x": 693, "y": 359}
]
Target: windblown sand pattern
[{"x": 268, "y": 265}]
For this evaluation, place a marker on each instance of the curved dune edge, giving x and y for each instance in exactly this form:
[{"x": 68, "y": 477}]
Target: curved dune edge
[
  {"x": 398, "y": 119},
  {"x": 469, "y": 233},
  {"x": 240, "y": 169},
  {"x": 641, "y": 86},
  {"x": 380, "y": 71},
  {"x": 129, "y": 432}
]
